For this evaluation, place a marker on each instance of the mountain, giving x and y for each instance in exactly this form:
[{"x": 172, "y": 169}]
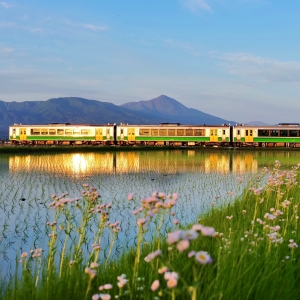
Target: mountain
[
  {"x": 84, "y": 111},
  {"x": 257, "y": 123},
  {"x": 170, "y": 110},
  {"x": 67, "y": 109}
]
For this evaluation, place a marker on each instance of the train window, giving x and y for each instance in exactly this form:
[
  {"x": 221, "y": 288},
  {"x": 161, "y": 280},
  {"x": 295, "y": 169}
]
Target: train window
[
  {"x": 189, "y": 132},
  {"x": 274, "y": 132},
  {"x": 283, "y": 133},
  {"x": 52, "y": 131},
  {"x": 122, "y": 131},
  {"x": 154, "y": 131},
  {"x": 238, "y": 132},
  {"x": 263, "y": 132},
  {"x": 162, "y": 132},
  {"x": 107, "y": 131},
  {"x": 200, "y": 132},
  {"x": 223, "y": 131},
  {"x": 180, "y": 132},
  {"x": 44, "y": 131},
  {"x": 293, "y": 132},
  {"x": 145, "y": 131},
  {"x": 14, "y": 130},
  {"x": 171, "y": 132},
  {"x": 69, "y": 131},
  {"x": 76, "y": 131},
  {"x": 60, "y": 132},
  {"x": 84, "y": 131},
  {"x": 35, "y": 131}
]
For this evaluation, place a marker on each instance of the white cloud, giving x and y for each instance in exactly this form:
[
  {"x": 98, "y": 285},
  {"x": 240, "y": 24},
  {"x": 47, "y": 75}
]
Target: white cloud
[
  {"x": 7, "y": 25},
  {"x": 36, "y": 30},
  {"x": 183, "y": 46},
  {"x": 7, "y": 5},
  {"x": 195, "y": 5},
  {"x": 93, "y": 27},
  {"x": 6, "y": 50},
  {"x": 88, "y": 26},
  {"x": 90, "y": 82},
  {"x": 266, "y": 69}
]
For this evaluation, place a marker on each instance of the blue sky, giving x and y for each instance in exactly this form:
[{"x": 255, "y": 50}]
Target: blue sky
[{"x": 235, "y": 59}]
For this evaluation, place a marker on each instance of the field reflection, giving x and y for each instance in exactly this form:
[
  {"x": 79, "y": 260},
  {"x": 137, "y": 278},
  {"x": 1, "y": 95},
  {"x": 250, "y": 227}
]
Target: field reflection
[{"x": 131, "y": 162}]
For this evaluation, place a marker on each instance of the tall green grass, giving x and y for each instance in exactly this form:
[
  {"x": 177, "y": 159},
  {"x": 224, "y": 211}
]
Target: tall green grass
[{"x": 246, "y": 249}]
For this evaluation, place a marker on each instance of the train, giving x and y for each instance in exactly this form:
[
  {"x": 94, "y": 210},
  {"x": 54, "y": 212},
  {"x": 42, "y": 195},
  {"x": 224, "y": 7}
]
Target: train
[{"x": 163, "y": 134}]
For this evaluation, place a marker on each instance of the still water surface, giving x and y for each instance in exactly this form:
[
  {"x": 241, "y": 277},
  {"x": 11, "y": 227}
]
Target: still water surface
[{"x": 199, "y": 177}]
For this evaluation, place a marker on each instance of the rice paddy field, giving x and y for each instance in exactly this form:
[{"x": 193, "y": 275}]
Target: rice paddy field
[{"x": 166, "y": 224}]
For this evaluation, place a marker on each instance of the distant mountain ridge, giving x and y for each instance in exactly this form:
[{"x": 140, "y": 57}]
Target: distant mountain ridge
[
  {"x": 84, "y": 111},
  {"x": 257, "y": 123},
  {"x": 173, "y": 111}
]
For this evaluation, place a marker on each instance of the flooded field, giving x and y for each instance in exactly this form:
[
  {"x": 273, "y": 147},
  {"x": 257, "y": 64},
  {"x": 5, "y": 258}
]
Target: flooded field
[{"x": 201, "y": 179}]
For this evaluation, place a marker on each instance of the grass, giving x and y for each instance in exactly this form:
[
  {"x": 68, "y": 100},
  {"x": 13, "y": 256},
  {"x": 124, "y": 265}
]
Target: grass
[{"x": 243, "y": 249}]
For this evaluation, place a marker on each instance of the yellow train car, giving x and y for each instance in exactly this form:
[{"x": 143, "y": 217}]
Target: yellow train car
[{"x": 62, "y": 133}]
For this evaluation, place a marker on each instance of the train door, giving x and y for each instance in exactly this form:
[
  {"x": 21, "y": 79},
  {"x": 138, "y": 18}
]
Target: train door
[
  {"x": 122, "y": 134},
  {"x": 14, "y": 134},
  {"x": 108, "y": 134},
  {"x": 213, "y": 135},
  {"x": 249, "y": 135},
  {"x": 223, "y": 135},
  {"x": 131, "y": 134},
  {"x": 99, "y": 134},
  {"x": 238, "y": 135},
  {"x": 23, "y": 136}
]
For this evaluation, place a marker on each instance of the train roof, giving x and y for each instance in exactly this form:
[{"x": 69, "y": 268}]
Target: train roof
[
  {"x": 59, "y": 125},
  {"x": 278, "y": 126},
  {"x": 171, "y": 125}
]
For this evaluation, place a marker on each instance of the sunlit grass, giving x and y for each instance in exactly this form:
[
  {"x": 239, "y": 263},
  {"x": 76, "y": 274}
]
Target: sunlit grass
[{"x": 246, "y": 248}]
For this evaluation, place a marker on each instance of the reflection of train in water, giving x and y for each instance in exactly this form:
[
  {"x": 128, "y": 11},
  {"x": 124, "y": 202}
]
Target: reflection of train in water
[
  {"x": 166, "y": 163},
  {"x": 171, "y": 134}
]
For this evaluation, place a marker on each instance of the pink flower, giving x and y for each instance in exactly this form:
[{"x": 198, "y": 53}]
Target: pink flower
[
  {"x": 121, "y": 281},
  {"x": 175, "y": 221},
  {"x": 94, "y": 265},
  {"x": 197, "y": 227},
  {"x": 162, "y": 270},
  {"x": 172, "y": 282},
  {"x": 207, "y": 231},
  {"x": 152, "y": 255},
  {"x": 107, "y": 286},
  {"x": 141, "y": 222},
  {"x": 130, "y": 197},
  {"x": 90, "y": 272},
  {"x": 161, "y": 195},
  {"x": 155, "y": 285},
  {"x": 169, "y": 275},
  {"x": 104, "y": 296},
  {"x": 191, "y": 254},
  {"x": 183, "y": 245},
  {"x": 150, "y": 214},
  {"x": 173, "y": 237},
  {"x": 189, "y": 234}
]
